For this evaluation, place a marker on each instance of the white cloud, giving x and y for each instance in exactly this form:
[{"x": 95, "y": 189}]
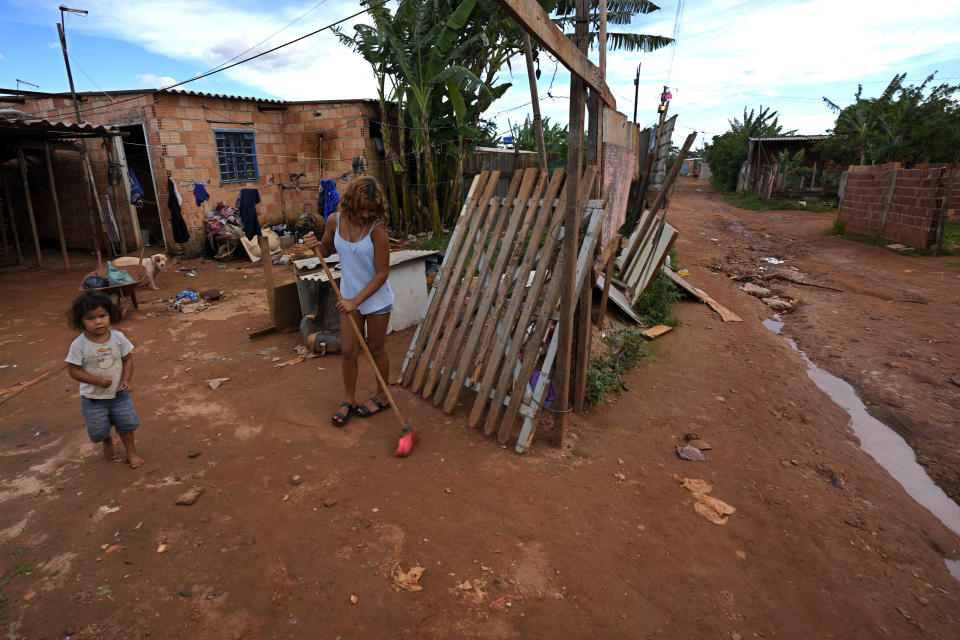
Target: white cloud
[
  {"x": 210, "y": 32},
  {"x": 154, "y": 81},
  {"x": 1, "y": 56}
]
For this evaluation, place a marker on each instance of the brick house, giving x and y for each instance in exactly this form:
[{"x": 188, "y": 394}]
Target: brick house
[{"x": 281, "y": 148}]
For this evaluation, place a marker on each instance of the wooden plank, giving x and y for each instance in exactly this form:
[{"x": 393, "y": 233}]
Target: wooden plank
[
  {"x": 479, "y": 305},
  {"x": 10, "y": 392},
  {"x": 533, "y": 19},
  {"x": 416, "y": 374},
  {"x": 550, "y": 261},
  {"x": 467, "y": 215},
  {"x": 649, "y": 262},
  {"x": 531, "y": 361},
  {"x": 56, "y": 205},
  {"x": 268, "y": 278},
  {"x": 26, "y": 194},
  {"x": 523, "y": 299},
  {"x": 655, "y": 332},
  {"x": 618, "y": 164},
  {"x": 493, "y": 301},
  {"x": 433, "y": 362},
  {"x": 725, "y": 314},
  {"x": 608, "y": 262}
]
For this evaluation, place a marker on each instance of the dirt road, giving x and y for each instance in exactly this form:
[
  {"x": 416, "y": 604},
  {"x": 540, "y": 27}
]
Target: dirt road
[{"x": 602, "y": 542}]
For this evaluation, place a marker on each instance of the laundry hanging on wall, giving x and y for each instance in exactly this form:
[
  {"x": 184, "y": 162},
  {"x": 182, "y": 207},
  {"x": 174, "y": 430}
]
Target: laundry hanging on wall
[
  {"x": 180, "y": 232},
  {"x": 136, "y": 191},
  {"x": 200, "y": 193},
  {"x": 329, "y": 198},
  {"x": 247, "y": 208}
]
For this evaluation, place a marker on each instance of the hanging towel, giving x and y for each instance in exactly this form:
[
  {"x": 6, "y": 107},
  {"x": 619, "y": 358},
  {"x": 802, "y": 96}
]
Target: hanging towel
[
  {"x": 247, "y": 208},
  {"x": 136, "y": 192},
  {"x": 200, "y": 193},
  {"x": 329, "y": 198},
  {"x": 180, "y": 232}
]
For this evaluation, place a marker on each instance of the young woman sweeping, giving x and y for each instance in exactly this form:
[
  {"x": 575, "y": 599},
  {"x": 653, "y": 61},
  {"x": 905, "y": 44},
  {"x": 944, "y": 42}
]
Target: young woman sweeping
[{"x": 358, "y": 235}]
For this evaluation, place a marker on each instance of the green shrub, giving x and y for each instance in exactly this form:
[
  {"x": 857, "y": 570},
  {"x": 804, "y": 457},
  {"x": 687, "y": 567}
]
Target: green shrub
[
  {"x": 605, "y": 375},
  {"x": 655, "y": 306},
  {"x": 838, "y": 228}
]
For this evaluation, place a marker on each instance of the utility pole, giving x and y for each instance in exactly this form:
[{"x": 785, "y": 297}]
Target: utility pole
[
  {"x": 636, "y": 93},
  {"x": 87, "y": 170}
]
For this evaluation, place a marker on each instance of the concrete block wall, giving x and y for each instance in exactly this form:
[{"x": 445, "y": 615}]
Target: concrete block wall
[{"x": 897, "y": 204}]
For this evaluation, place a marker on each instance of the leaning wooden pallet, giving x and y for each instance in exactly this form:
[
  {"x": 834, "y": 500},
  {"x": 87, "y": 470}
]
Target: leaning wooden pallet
[{"x": 494, "y": 302}]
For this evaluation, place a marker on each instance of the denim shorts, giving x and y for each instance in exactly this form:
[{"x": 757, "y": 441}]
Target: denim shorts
[
  {"x": 101, "y": 414},
  {"x": 386, "y": 309}
]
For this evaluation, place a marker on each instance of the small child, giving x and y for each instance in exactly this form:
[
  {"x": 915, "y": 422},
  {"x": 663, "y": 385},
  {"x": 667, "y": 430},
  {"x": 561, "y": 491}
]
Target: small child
[{"x": 100, "y": 360}]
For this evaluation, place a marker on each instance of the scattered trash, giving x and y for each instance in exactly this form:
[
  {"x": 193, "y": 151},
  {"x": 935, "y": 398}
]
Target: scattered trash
[
  {"x": 683, "y": 273},
  {"x": 777, "y": 303},
  {"x": 269, "y": 350},
  {"x": 216, "y": 382},
  {"x": 354, "y": 599},
  {"x": 161, "y": 548},
  {"x": 295, "y": 360},
  {"x": 505, "y": 601},
  {"x": 898, "y": 247},
  {"x": 955, "y": 381},
  {"x": 296, "y": 480},
  {"x": 409, "y": 580},
  {"x": 112, "y": 548},
  {"x": 773, "y": 260},
  {"x": 691, "y": 453},
  {"x": 193, "y": 454},
  {"x": 699, "y": 444},
  {"x": 756, "y": 290},
  {"x": 190, "y": 496},
  {"x": 107, "y": 509},
  {"x": 301, "y": 349},
  {"x": 329, "y": 502},
  {"x": 190, "y": 273},
  {"x": 655, "y": 332},
  {"x": 708, "y": 507}
]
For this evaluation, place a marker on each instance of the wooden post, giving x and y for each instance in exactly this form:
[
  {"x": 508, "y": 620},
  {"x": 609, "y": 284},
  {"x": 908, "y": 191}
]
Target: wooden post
[
  {"x": 13, "y": 216},
  {"x": 535, "y": 101},
  {"x": 886, "y": 205},
  {"x": 608, "y": 276},
  {"x": 26, "y": 194},
  {"x": 56, "y": 204},
  {"x": 946, "y": 203},
  {"x": 584, "y": 335},
  {"x": 3, "y": 229},
  {"x": 268, "y": 277},
  {"x": 571, "y": 226}
]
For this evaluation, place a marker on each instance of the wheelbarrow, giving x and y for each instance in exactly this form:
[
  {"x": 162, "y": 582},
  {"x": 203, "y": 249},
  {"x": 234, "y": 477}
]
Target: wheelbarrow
[{"x": 122, "y": 295}]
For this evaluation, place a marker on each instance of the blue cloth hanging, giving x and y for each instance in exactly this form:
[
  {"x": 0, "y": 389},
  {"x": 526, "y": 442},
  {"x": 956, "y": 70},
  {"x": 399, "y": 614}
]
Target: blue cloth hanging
[
  {"x": 200, "y": 193},
  {"x": 328, "y": 200},
  {"x": 247, "y": 208},
  {"x": 136, "y": 191}
]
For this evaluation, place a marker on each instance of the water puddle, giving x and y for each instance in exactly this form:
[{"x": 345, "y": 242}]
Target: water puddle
[{"x": 884, "y": 445}]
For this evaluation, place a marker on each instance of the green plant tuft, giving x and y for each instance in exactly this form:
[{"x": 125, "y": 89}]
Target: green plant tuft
[
  {"x": 655, "y": 305},
  {"x": 605, "y": 375},
  {"x": 838, "y": 228}
]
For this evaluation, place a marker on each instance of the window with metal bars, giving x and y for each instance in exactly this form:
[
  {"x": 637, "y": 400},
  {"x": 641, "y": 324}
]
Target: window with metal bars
[{"x": 236, "y": 156}]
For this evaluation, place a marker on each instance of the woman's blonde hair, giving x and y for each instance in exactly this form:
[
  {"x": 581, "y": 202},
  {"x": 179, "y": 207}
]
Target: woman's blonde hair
[{"x": 361, "y": 192}]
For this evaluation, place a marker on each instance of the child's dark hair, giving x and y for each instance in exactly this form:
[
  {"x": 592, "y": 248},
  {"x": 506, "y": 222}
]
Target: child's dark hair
[{"x": 87, "y": 302}]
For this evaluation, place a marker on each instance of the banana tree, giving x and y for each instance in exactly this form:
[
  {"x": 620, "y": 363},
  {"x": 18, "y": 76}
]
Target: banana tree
[{"x": 860, "y": 118}]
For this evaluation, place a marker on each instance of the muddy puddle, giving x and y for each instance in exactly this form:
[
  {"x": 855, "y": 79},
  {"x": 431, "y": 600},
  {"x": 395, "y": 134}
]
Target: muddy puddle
[{"x": 883, "y": 444}]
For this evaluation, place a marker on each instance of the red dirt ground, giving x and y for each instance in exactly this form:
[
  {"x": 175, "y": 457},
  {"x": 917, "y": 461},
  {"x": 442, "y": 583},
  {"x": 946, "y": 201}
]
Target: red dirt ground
[{"x": 592, "y": 555}]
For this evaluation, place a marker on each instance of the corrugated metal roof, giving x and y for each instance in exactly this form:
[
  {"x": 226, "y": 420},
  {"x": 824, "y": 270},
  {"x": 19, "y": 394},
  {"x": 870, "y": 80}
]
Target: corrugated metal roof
[
  {"x": 790, "y": 138},
  {"x": 396, "y": 258},
  {"x": 203, "y": 94},
  {"x": 38, "y": 125}
]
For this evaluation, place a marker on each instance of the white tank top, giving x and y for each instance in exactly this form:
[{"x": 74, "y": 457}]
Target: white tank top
[{"x": 357, "y": 269}]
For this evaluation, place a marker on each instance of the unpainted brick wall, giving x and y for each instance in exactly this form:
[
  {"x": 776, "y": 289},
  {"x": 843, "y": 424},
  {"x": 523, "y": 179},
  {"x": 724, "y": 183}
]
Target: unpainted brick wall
[
  {"x": 900, "y": 205},
  {"x": 291, "y": 156}
]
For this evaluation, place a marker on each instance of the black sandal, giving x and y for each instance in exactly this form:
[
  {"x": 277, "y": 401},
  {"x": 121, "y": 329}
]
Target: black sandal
[
  {"x": 339, "y": 418},
  {"x": 363, "y": 412}
]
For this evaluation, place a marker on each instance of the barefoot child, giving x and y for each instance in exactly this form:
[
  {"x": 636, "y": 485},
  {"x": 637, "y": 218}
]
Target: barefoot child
[
  {"x": 100, "y": 360},
  {"x": 357, "y": 234}
]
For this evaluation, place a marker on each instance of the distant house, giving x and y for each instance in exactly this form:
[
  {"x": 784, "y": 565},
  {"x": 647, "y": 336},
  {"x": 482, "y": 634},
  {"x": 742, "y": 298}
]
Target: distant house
[
  {"x": 225, "y": 143},
  {"x": 760, "y": 169}
]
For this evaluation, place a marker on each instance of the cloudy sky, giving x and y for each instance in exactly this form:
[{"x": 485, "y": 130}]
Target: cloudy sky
[{"x": 730, "y": 54}]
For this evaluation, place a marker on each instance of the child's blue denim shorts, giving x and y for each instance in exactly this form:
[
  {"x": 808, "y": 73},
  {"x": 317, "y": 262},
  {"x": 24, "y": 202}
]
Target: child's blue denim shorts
[{"x": 104, "y": 413}]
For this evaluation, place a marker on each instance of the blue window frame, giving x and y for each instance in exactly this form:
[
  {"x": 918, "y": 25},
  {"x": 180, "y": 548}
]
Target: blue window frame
[{"x": 236, "y": 155}]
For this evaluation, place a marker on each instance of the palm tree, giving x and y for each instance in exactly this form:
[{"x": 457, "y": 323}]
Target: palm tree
[{"x": 863, "y": 116}]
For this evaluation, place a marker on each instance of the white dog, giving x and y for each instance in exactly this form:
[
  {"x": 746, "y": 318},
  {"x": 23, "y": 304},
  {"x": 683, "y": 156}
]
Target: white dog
[{"x": 152, "y": 265}]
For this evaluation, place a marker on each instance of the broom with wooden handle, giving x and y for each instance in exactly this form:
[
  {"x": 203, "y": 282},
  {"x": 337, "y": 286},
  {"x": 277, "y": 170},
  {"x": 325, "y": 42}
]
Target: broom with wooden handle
[{"x": 410, "y": 435}]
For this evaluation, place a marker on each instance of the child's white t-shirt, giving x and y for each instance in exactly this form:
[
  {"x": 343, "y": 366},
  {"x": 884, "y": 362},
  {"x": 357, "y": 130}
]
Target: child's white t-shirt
[{"x": 100, "y": 360}]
